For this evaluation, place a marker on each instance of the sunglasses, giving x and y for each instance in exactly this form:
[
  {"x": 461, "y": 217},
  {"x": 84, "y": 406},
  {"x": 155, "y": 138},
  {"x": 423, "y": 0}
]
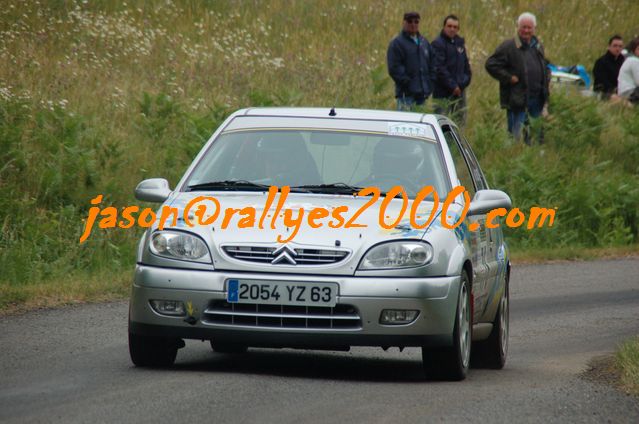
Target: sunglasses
[{"x": 412, "y": 21}]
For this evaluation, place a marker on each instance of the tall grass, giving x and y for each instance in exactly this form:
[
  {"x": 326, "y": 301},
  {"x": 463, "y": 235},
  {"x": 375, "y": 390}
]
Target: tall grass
[
  {"x": 627, "y": 362},
  {"x": 95, "y": 96}
]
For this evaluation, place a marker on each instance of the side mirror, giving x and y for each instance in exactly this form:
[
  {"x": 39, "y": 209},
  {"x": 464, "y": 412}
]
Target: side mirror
[
  {"x": 153, "y": 190},
  {"x": 487, "y": 200}
]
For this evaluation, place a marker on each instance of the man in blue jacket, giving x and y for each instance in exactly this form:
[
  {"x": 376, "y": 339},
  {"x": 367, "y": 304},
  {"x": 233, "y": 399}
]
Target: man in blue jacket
[
  {"x": 410, "y": 64},
  {"x": 452, "y": 71}
]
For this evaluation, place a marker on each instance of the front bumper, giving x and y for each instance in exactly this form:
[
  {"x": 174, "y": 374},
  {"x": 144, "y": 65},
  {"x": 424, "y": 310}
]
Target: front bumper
[{"x": 435, "y": 298}]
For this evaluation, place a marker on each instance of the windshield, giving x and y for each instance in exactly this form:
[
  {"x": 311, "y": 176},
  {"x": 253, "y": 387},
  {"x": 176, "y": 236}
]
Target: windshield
[{"x": 319, "y": 161}]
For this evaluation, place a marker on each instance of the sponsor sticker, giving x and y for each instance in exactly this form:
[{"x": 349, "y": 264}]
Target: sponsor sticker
[{"x": 410, "y": 130}]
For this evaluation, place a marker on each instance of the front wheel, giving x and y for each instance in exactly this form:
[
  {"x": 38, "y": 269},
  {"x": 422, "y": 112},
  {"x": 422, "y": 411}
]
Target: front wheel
[
  {"x": 148, "y": 351},
  {"x": 491, "y": 353},
  {"x": 451, "y": 363}
]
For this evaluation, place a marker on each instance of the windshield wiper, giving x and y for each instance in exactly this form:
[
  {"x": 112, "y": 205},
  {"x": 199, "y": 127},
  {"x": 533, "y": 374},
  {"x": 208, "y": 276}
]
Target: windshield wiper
[
  {"x": 335, "y": 188},
  {"x": 229, "y": 185}
]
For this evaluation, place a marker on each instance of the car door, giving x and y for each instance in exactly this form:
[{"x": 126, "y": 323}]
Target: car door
[
  {"x": 494, "y": 254},
  {"x": 471, "y": 178}
]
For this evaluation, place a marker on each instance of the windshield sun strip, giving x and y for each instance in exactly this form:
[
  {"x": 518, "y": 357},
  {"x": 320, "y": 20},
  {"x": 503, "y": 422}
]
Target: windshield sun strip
[{"x": 329, "y": 130}]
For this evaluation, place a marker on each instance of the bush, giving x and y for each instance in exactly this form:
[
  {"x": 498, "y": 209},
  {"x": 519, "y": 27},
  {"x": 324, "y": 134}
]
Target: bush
[
  {"x": 55, "y": 161},
  {"x": 596, "y": 196}
]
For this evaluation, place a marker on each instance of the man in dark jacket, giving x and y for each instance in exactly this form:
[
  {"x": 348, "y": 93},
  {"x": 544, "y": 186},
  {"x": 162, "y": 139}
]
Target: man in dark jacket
[
  {"x": 410, "y": 64},
  {"x": 520, "y": 67},
  {"x": 452, "y": 71},
  {"x": 607, "y": 67}
]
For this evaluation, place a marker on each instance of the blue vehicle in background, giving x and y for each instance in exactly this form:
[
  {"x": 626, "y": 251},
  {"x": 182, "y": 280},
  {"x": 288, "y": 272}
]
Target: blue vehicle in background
[{"x": 574, "y": 76}]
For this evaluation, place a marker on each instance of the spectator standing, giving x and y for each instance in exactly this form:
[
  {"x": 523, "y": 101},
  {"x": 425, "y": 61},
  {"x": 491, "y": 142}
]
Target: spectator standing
[
  {"x": 629, "y": 74},
  {"x": 410, "y": 64},
  {"x": 520, "y": 66},
  {"x": 452, "y": 71},
  {"x": 606, "y": 69}
]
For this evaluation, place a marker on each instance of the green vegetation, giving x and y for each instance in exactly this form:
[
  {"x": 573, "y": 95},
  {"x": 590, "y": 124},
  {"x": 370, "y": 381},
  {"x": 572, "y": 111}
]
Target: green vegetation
[
  {"x": 96, "y": 96},
  {"x": 627, "y": 361}
]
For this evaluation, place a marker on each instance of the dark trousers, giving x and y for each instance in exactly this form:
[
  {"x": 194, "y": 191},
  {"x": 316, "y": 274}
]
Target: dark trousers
[{"x": 519, "y": 119}]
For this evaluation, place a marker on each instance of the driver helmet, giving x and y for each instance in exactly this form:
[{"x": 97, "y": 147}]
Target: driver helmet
[
  {"x": 286, "y": 158},
  {"x": 394, "y": 157}
]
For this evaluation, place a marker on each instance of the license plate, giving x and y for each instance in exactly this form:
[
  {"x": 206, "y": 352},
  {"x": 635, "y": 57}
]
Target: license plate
[{"x": 282, "y": 292}]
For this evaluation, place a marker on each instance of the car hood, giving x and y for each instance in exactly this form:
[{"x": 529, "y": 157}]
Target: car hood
[
  {"x": 351, "y": 238},
  {"x": 340, "y": 250}
]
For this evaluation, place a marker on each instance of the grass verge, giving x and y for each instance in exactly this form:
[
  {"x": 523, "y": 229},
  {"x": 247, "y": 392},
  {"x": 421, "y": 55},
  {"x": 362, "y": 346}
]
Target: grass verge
[
  {"x": 627, "y": 361},
  {"x": 619, "y": 370},
  {"x": 60, "y": 292}
]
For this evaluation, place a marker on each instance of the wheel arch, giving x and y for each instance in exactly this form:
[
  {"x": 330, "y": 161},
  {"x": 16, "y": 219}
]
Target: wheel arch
[{"x": 468, "y": 267}]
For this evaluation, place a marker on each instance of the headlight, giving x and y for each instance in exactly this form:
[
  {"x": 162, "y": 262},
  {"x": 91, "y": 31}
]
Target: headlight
[
  {"x": 400, "y": 254},
  {"x": 181, "y": 246}
]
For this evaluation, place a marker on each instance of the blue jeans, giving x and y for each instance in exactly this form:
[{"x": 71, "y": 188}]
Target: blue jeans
[
  {"x": 519, "y": 119},
  {"x": 407, "y": 103}
]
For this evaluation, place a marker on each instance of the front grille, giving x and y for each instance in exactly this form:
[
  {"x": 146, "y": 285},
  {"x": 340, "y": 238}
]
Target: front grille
[
  {"x": 303, "y": 256},
  {"x": 340, "y": 317},
  {"x": 250, "y": 253},
  {"x": 319, "y": 256}
]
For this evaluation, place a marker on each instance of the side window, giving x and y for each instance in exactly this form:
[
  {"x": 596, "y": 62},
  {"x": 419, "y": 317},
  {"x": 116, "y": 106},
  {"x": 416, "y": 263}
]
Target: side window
[
  {"x": 463, "y": 171},
  {"x": 480, "y": 180}
]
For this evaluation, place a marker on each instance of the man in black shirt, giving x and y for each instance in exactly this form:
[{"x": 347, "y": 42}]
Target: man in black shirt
[{"x": 607, "y": 67}]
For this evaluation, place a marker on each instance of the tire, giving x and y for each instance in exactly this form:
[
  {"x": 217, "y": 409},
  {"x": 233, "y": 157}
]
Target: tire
[
  {"x": 153, "y": 351},
  {"x": 229, "y": 348},
  {"x": 491, "y": 353},
  {"x": 452, "y": 363}
]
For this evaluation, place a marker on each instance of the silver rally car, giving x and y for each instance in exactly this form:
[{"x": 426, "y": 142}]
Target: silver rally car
[{"x": 370, "y": 271}]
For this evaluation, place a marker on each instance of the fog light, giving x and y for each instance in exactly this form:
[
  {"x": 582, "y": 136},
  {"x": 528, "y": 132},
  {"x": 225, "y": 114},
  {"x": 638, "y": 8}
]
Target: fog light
[
  {"x": 169, "y": 307},
  {"x": 397, "y": 316}
]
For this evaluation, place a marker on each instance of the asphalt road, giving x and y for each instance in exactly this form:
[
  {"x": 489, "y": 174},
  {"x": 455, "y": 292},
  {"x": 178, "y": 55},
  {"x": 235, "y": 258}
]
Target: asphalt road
[{"x": 72, "y": 365}]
